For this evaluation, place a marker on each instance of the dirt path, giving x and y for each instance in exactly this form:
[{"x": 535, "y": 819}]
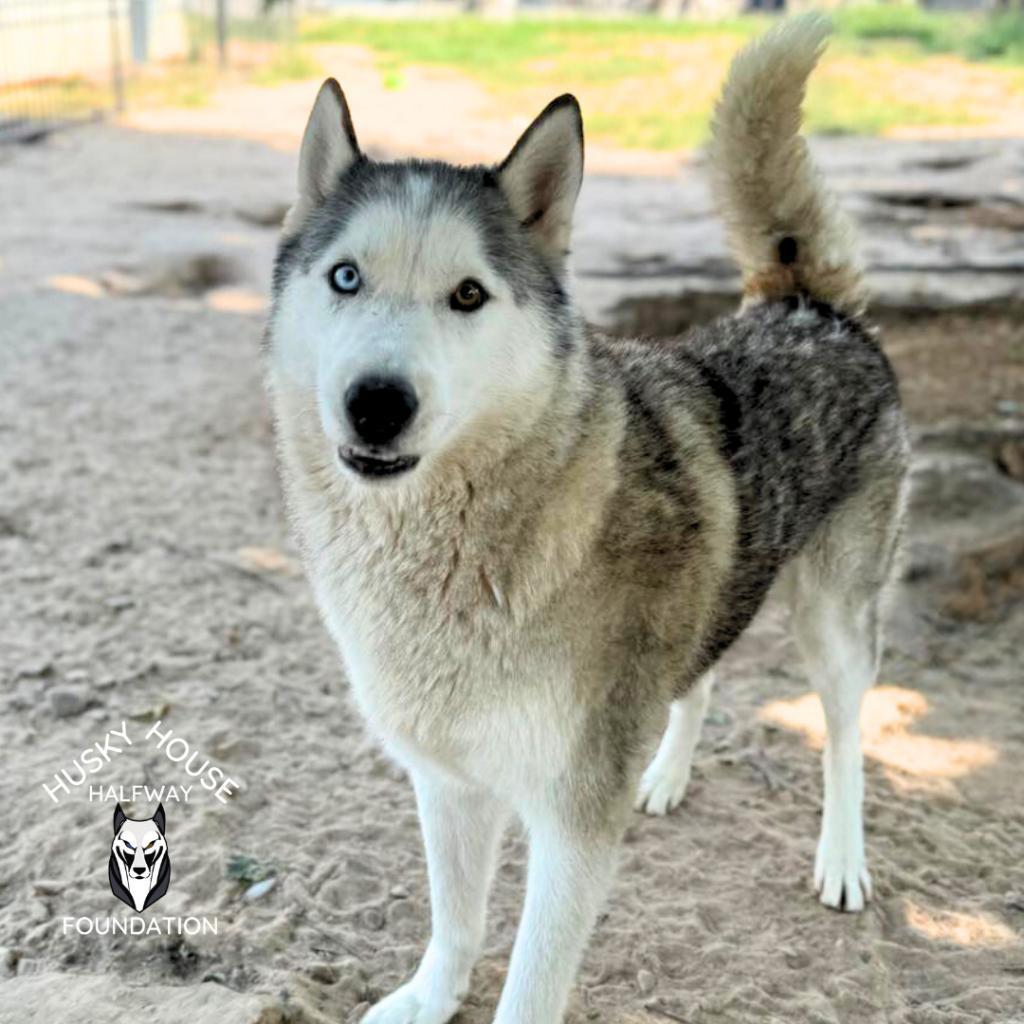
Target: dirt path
[
  {"x": 437, "y": 113},
  {"x": 148, "y": 575}
]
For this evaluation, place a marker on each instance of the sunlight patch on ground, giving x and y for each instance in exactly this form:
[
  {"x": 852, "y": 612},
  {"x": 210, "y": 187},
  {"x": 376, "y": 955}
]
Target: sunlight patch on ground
[
  {"x": 959, "y": 928},
  {"x": 236, "y": 300},
  {"x": 912, "y": 762},
  {"x": 72, "y": 284}
]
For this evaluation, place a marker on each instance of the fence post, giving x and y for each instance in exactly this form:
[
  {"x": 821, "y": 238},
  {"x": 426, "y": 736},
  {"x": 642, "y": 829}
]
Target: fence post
[
  {"x": 222, "y": 32},
  {"x": 116, "y": 66}
]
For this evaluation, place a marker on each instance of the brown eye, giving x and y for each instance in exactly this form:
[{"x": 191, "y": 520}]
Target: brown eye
[{"x": 468, "y": 297}]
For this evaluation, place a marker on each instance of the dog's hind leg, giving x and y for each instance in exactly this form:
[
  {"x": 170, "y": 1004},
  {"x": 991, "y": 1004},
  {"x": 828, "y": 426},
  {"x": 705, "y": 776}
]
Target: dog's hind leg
[
  {"x": 461, "y": 829},
  {"x": 664, "y": 783},
  {"x": 837, "y": 587}
]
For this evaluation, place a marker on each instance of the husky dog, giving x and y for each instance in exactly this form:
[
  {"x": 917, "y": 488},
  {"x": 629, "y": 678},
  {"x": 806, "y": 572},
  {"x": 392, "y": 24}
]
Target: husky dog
[
  {"x": 140, "y": 868},
  {"x": 531, "y": 542}
]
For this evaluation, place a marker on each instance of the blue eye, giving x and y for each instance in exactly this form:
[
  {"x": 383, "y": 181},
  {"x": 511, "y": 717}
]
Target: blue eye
[
  {"x": 345, "y": 278},
  {"x": 129, "y": 845}
]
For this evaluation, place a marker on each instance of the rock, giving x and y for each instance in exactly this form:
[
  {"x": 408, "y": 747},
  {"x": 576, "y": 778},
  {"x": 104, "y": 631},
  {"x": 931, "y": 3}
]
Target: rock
[
  {"x": 372, "y": 918},
  {"x": 1014, "y": 900},
  {"x": 9, "y": 957},
  {"x": 973, "y": 437},
  {"x": 967, "y": 520},
  {"x": 48, "y": 887},
  {"x": 796, "y": 960},
  {"x": 258, "y": 889},
  {"x": 401, "y": 910},
  {"x": 1010, "y": 459},
  {"x": 950, "y": 488},
  {"x": 153, "y": 714},
  {"x": 266, "y": 215},
  {"x": 185, "y": 276},
  {"x": 67, "y": 703},
  {"x": 267, "y": 560},
  {"x": 35, "y": 669},
  {"x": 104, "y": 999},
  {"x": 325, "y": 974},
  {"x": 399, "y": 892},
  {"x": 645, "y": 982}
]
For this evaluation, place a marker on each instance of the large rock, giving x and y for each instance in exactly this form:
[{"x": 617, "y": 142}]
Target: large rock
[
  {"x": 100, "y": 999},
  {"x": 966, "y": 538}
]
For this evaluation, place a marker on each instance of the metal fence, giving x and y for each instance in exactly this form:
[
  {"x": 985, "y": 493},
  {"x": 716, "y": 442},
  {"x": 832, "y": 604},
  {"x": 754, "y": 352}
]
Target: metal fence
[
  {"x": 60, "y": 60},
  {"x": 63, "y": 61}
]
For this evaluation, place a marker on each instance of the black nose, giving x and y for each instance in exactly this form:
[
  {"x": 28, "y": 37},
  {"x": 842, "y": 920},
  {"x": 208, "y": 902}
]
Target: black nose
[
  {"x": 138, "y": 872},
  {"x": 380, "y": 408}
]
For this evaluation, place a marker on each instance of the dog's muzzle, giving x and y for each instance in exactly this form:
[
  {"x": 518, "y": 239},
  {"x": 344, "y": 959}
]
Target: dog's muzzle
[
  {"x": 378, "y": 409},
  {"x": 373, "y": 465}
]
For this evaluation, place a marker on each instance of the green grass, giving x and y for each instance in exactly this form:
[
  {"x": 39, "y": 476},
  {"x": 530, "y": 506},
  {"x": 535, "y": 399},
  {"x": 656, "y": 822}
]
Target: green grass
[
  {"x": 996, "y": 37},
  {"x": 999, "y": 38},
  {"x": 504, "y": 51},
  {"x": 493, "y": 48},
  {"x": 289, "y": 63},
  {"x": 928, "y": 32},
  {"x": 650, "y": 83}
]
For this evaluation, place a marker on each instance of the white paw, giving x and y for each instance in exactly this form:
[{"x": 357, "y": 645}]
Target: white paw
[
  {"x": 663, "y": 786},
  {"x": 411, "y": 1004},
  {"x": 841, "y": 874}
]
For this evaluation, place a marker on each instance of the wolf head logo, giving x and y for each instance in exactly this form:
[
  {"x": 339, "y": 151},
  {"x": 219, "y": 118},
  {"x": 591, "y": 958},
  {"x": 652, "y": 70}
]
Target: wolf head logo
[{"x": 140, "y": 868}]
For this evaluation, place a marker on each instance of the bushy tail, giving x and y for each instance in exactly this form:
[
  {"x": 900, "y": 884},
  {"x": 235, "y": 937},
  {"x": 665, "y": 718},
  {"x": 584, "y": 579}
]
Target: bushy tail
[{"x": 785, "y": 228}]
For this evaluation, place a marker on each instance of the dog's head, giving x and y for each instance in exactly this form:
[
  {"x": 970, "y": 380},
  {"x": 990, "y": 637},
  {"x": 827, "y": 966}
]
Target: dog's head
[
  {"x": 424, "y": 305},
  {"x": 140, "y": 846}
]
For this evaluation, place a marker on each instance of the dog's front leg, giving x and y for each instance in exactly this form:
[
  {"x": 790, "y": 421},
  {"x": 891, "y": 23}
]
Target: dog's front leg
[
  {"x": 461, "y": 828},
  {"x": 570, "y": 870}
]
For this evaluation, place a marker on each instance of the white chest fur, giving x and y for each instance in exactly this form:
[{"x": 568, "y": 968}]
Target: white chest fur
[{"x": 490, "y": 699}]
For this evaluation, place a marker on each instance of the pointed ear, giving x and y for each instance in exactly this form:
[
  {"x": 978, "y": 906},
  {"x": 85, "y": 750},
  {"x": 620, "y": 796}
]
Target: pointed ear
[
  {"x": 542, "y": 175},
  {"x": 119, "y": 819},
  {"x": 329, "y": 148},
  {"x": 160, "y": 819}
]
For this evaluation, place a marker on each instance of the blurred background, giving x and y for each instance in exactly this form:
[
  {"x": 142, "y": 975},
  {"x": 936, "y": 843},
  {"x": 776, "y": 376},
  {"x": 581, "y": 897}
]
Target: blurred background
[
  {"x": 147, "y": 157},
  {"x": 648, "y": 71}
]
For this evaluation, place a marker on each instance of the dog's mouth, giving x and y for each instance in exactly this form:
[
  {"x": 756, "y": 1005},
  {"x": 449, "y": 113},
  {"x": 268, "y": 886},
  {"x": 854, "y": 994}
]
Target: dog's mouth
[{"x": 376, "y": 465}]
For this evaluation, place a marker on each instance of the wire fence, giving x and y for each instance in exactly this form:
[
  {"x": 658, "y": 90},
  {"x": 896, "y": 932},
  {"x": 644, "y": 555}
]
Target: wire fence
[
  {"x": 60, "y": 60},
  {"x": 65, "y": 61}
]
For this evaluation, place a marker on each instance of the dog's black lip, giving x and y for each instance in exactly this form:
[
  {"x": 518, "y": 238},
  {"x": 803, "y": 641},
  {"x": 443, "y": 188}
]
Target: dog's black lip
[{"x": 370, "y": 465}]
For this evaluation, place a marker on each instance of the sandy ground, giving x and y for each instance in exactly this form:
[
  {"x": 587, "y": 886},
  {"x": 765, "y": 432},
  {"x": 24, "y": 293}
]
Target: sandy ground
[{"x": 148, "y": 575}]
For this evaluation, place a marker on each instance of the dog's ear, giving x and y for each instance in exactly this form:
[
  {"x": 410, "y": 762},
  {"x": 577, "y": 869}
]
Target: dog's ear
[
  {"x": 160, "y": 819},
  {"x": 329, "y": 148},
  {"x": 542, "y": 175},
  {"x": 119, "y": 819}
]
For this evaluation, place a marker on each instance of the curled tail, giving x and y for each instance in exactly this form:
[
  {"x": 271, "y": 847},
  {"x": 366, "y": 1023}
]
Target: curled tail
[{"x": 784, "y": 227}]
